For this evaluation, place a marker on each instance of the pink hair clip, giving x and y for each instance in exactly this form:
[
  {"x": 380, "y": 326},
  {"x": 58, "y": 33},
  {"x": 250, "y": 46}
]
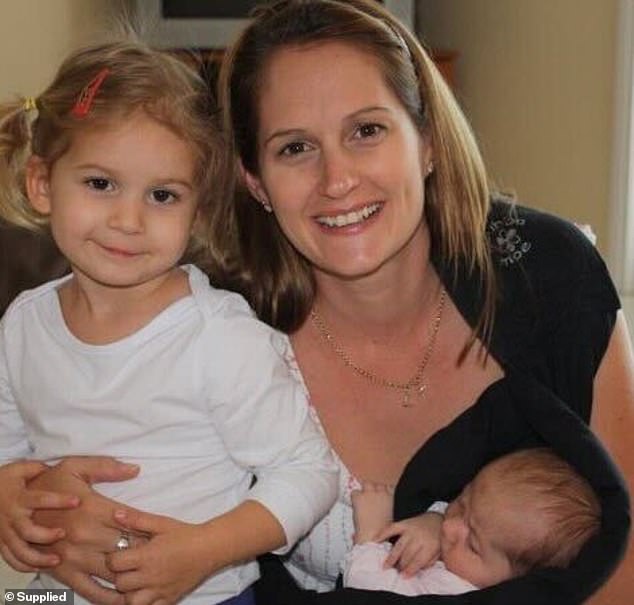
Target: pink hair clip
[{"x": 84, "y": 102}]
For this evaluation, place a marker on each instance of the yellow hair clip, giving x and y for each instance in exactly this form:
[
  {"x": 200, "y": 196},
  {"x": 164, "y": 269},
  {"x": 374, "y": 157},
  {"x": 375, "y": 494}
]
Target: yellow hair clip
[{"x": 29, "y": 104}]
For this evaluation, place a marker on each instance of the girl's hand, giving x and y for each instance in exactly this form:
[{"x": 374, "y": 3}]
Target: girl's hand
[
  {"x": 18, "y": 531},
  {"x": 166, "y": 568},
  {"x": 418, "y": 544}
]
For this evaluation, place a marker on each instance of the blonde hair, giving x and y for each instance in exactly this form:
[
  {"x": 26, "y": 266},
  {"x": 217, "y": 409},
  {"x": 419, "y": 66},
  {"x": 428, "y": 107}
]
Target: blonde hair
[
  {"x": 138, "y": 78},
  {"x": 552, "y": 488},
  {"x": 248, "y": 244}
]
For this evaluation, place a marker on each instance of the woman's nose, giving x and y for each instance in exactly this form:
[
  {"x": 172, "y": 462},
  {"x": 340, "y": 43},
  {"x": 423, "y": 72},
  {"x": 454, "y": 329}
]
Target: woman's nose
[{"x": 339, "y": 174}]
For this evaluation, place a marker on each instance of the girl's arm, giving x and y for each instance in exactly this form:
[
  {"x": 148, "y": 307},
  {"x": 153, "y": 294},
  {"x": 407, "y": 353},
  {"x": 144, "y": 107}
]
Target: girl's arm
[
  {"x": 18, "y": 531},
  {"x": 179, "y": 556},
  {"x": 262, "y": 416},
  {"x": 613, "y": 422}
]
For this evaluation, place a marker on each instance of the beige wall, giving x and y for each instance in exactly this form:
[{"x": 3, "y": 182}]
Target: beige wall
[
  {"x": 36, "y": 34},
  {"x": 536, "y": 79}
]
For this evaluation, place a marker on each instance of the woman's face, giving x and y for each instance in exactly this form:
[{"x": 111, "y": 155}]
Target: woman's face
[{"x": 341, "y": 162}]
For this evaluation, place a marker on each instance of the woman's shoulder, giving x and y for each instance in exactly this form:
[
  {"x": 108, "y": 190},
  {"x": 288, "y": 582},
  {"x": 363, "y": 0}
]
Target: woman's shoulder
[
  {"x": 532, "y": 239},
  {"x": 547, "y": 256}
]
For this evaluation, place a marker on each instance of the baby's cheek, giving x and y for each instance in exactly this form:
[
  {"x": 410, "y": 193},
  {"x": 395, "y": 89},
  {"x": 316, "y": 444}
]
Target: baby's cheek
[{"x": 467, "y": 565}]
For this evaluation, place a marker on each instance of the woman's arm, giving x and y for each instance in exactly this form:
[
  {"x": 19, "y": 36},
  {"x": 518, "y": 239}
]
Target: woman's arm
[{"x": 613, "y": 422}]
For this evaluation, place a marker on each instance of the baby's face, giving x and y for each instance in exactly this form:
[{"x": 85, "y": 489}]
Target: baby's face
[{"x": 476, "y": 527}]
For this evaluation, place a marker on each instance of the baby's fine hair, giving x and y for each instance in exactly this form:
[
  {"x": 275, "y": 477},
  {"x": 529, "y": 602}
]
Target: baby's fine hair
[
  {"x": 565, "y": 499},
  {"x": 137, "y": 78}
]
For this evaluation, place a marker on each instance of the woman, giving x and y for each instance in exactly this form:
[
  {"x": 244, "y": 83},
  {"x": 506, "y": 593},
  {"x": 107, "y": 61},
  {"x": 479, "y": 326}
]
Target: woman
[{"x": 362, "y": 226}]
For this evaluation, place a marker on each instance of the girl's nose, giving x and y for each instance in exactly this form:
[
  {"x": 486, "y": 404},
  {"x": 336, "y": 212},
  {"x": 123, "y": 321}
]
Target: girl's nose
[{"x": 126, "y": 215}]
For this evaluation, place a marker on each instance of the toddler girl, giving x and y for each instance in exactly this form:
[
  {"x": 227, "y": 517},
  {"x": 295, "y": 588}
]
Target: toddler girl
[{"x": 135, "y": 357}]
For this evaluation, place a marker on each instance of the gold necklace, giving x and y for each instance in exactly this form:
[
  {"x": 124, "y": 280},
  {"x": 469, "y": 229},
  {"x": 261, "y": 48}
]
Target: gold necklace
[{"x": 415, "y": 385}]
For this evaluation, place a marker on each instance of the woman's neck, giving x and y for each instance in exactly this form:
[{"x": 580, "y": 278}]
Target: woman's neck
[{"x": 385, "y": 305}]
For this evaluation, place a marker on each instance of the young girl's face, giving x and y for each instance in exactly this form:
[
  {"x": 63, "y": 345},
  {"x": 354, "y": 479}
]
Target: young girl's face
[{"x": 121, "y": 201}]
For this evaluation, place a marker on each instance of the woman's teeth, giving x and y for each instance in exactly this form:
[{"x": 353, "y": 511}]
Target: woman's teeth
[{"x": 349, "y": 218}]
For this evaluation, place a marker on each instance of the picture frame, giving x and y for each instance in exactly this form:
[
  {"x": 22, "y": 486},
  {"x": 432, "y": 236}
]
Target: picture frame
[{"x": 202, "y": 32}]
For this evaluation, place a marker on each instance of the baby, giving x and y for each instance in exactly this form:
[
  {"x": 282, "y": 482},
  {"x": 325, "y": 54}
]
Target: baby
[{"x": 525, "y": 510}]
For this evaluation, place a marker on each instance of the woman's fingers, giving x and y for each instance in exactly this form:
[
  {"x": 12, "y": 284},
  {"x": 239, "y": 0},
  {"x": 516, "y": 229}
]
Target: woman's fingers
[
  {"x": 25, "y": 554},
  {"x": 96, "y": 469},
  {"x": 129, "y": 581},
  {"x": 125, "y": 560},
  {"x": 90, "y": 589},
  {"x": 144, "y": 523},
  {"x": 13, "y": 562},
  {"x": 143, "y": 597}
]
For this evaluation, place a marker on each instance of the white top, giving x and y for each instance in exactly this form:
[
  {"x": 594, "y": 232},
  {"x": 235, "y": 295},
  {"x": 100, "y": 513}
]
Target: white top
[
  {"x": 363, "y": 568},
  {"x": 200, "y": 398},
  {"x": 318, "y": 558}
]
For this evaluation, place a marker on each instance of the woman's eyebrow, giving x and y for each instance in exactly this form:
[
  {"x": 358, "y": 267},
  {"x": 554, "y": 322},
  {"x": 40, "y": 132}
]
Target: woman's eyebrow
[
  {"x": 284, "y": 133},
  {"x": 302, "y": 132}
]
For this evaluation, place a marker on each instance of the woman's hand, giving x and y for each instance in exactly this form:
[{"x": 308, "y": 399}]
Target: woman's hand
[
  {"x": 18, "y": 531},
  {"x": 166, "y": 568},
  {"x": 90, "y": 531},
  {"x": 418, "y": 544}
]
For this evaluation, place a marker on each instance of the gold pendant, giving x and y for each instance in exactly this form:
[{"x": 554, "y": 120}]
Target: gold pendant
[{"x": 406, "y": 402}]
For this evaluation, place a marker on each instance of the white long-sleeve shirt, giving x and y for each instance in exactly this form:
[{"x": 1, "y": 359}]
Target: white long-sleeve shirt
[{"x": 200, "y": 398}]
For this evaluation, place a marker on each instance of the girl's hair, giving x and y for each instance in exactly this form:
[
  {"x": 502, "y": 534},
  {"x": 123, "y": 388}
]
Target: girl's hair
[
  {"x": 137, "y": 78},
  {"x": 247, "y": 243},
  {"x": 565, "y": 502}
]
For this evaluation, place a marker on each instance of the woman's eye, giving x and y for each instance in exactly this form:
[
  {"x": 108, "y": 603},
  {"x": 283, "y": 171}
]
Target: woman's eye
[
  {"x": 163, "y": 196},
  {"x": 99, "y": 184},
  {"x": 294, "y": 148},
  {"x": 369, "y": 130}
]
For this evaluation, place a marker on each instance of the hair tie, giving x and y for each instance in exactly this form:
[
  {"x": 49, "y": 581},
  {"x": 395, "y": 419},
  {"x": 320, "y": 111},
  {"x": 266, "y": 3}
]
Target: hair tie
[
  {"x": 29, "y": 104},
  {"x": 84, "y": 102}
]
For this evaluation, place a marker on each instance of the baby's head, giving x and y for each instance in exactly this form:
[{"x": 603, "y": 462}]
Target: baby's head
[{"x": 525, "y": 510}]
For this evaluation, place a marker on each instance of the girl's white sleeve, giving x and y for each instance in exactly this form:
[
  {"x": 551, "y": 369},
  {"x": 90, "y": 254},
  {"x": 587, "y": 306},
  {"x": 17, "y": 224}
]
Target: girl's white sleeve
[
  {"x": 263, "y": 417},
  {"x": 13, "y": 438}
]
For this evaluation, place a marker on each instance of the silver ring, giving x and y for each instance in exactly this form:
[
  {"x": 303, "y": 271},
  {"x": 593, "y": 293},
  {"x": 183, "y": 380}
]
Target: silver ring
[{"x": 123, "y": 543}]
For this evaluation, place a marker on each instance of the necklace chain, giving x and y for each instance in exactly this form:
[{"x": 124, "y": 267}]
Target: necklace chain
[{"x": 415, "y": 384}]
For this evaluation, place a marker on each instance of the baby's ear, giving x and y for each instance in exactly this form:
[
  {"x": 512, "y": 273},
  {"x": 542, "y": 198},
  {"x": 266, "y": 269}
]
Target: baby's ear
[{"x": 37, "y": 181}]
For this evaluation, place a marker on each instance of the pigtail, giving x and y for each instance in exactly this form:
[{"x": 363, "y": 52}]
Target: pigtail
[{"x": 16, "y": 118}]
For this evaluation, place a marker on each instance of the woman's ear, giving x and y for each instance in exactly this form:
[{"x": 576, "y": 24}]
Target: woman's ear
[
  {"x": 38, "y": 184},
  {"x": 426, "y": 154},
  {"x": 254, "y": 185}
]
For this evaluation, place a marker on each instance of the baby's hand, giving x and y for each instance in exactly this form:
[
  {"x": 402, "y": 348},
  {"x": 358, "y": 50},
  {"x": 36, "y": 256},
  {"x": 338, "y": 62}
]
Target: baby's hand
[
  {"x": 418, "y": 544},
  {"x": 372, "y": 510}
]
